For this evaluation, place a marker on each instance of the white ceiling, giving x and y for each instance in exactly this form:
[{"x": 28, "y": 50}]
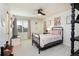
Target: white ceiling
[{"x": 29, "y": 9}]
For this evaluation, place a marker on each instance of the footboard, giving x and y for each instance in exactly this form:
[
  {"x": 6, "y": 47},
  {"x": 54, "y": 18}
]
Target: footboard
[{"x": 36, "y": 40}]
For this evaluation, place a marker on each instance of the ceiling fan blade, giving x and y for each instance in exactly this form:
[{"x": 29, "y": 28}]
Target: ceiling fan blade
[{"x": 42, "y": 13}]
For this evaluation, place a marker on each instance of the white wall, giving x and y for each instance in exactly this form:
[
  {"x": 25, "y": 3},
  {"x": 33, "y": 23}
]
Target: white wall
[
  {"x": 37, "y": 28},
  {"x": 66, "y": 27},
  {"x": 3, "y": 36}
]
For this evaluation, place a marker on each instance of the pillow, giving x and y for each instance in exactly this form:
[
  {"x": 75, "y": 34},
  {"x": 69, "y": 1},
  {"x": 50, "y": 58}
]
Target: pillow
[{"x": 56, "y": 32}]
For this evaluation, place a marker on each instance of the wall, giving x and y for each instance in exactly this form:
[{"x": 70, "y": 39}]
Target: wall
[
  {"x": 3, "y": 36},
  {"x": 66, "y": 27},
  {"x": 37, "y": 25}
]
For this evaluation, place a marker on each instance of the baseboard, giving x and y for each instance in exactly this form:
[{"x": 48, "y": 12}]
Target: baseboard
[{"x": 67, "y": 44}]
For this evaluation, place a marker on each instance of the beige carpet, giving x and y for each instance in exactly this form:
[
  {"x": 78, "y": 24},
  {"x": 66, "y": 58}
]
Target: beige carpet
[{"x": 26, "y": 49}]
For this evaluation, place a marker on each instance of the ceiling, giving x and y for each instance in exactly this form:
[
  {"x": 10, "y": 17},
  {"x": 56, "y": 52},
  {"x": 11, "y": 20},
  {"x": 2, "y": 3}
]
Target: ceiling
[{"x": 29, "y": 9}]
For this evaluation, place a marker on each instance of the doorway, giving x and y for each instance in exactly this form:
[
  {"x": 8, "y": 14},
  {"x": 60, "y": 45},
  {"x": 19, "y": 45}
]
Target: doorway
[{"x": 22, "y": 28}]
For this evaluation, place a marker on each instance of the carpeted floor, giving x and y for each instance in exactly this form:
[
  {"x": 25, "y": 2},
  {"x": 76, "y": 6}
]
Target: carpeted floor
[{"x": 26, "y": 49}]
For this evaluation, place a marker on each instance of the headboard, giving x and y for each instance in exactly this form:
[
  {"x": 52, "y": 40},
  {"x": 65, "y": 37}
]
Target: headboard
[
  {"x": 60, "y": 29},
  {"x": 57, "y": 30}
]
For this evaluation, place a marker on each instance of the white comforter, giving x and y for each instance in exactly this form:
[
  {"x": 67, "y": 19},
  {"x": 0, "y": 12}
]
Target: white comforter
[{"x": 47, "y": 38}]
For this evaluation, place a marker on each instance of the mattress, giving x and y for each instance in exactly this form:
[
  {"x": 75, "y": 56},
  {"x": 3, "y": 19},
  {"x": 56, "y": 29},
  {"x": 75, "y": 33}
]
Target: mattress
[{"x": 48, "y": 38}]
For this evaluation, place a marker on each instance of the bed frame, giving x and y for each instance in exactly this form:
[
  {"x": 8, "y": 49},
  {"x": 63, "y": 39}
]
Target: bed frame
[{"x": 47, "y": 45}]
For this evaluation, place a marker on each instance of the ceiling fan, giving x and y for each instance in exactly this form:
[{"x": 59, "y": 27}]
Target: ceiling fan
[{"x": 41, "y": 11}]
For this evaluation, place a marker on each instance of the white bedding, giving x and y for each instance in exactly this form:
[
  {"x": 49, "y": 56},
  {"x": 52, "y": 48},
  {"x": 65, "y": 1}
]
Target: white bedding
[{"x": 47, "y": 38}]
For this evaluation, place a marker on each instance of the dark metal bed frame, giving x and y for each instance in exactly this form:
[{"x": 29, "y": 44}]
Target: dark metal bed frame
[
  {"x": 73, "y": 22},
  {"x": 47, "y": 45}
]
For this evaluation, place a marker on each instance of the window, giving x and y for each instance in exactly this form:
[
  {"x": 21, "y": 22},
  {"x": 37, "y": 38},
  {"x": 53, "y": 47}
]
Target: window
[{"x": 22, "y": 25}]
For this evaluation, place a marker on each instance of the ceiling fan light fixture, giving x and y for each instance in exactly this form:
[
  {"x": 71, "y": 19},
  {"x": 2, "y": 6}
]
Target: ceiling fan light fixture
[{"x": 40, "y": 12}]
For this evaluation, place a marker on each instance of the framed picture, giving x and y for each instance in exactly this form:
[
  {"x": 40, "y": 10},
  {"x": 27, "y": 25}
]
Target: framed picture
[{"x": 68, "y": 19}]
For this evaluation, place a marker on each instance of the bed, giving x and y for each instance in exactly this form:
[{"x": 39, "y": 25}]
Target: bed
[{"x": 45, "y": 41}]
